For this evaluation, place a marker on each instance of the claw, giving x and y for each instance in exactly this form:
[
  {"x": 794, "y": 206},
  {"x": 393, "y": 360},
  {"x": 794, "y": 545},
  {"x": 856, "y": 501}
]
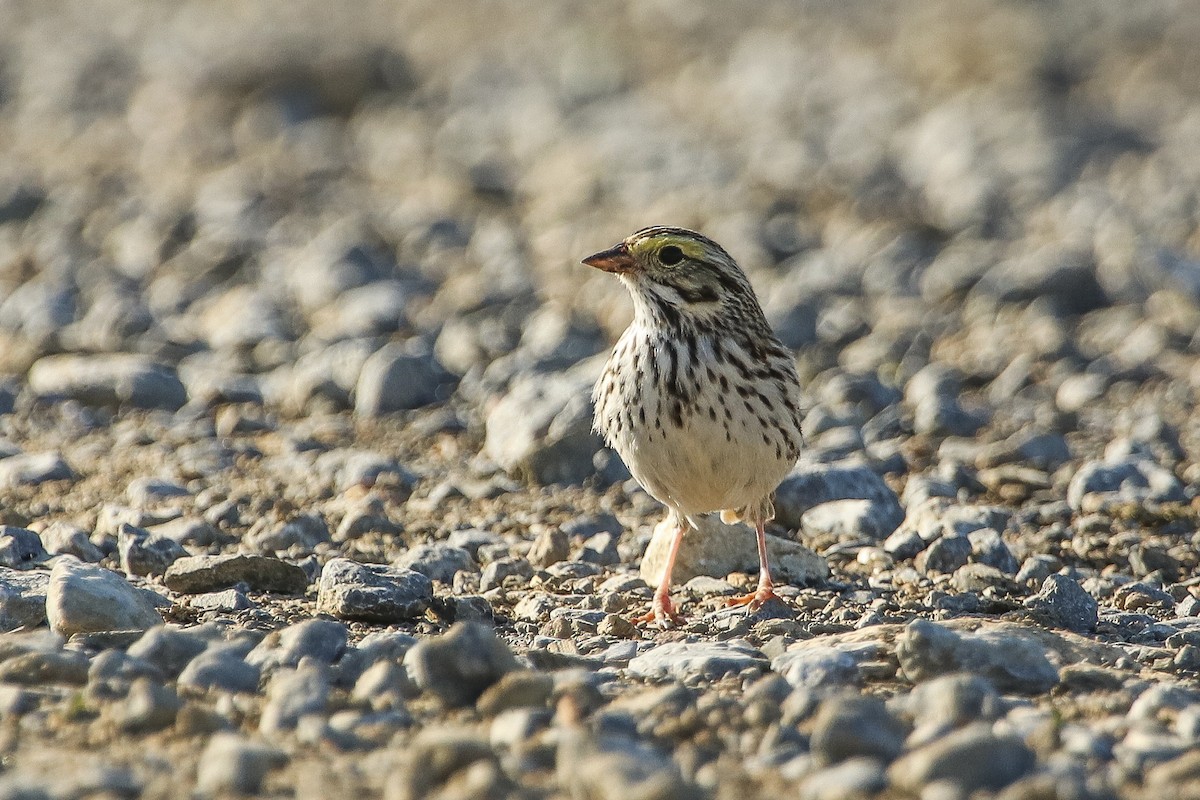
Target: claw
[
  {"x": 754, "y": 600},
  {"x": 662, "y": 613}
]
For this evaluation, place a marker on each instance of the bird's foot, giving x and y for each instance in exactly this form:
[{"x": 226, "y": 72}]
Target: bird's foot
[
  {"x": 755, "y": 600},
  {"x": 662, "y": 613}
]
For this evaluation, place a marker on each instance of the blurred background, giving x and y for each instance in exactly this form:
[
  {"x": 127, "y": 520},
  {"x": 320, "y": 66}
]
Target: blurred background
[{"x": 262, "y": 194}]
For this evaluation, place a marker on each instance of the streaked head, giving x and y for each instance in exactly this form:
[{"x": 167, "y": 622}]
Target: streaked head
[{"x": 677, "y": 267}]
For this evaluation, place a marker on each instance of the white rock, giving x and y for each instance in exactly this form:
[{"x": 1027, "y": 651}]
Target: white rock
[{"x": 82, "y": 598}]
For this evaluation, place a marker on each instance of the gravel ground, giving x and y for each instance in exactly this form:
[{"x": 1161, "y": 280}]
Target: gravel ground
[{"x": 299, "y": 493}]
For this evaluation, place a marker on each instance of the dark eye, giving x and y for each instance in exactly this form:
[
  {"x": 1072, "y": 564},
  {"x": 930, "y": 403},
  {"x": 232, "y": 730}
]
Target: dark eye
[{"x": 670, "y": 255}]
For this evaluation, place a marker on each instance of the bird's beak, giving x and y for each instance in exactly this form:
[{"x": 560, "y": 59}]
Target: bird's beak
[{"x": 615, "y": 259}]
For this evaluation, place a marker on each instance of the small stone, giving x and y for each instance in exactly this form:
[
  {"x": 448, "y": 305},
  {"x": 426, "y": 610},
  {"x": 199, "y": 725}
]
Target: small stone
[
  {"x": 372, "y": 593},
  {"x": 848, "y": 726},
  {"x": 601, "y": 548},
  {"x": 952, "y": 701},
  {"x": 437, "y": 561},
  {"x": 61, "y": 538},
  {"x": 854, "y": 777},
  {"x": 149, "y": 706},
  {"x": 550, "y": 547},
  {"x": 41, "y": 667},
  {"x": 972, "y": 758},
  {"x": 170, "y": 649},
  {"x": 198, "y": 574},
  {"x": 945, "y": 555},
  {"x": 433, "y": 757},
  {"x": 809, "y": 486},
  {"x": 1011, "y": 661},
  {"x": 396, "y": 379},
  {"x": 232, "y": 763},
  {"x": 22, "y": 599},
  {"x": 1064, "y": 604},
  {"x": 519, "y": 689},
  {"x": 461, "y": 664},
  {"x": 144, "y": 554},
  {"x": 221, "y": 667},
  {"x": 323, "y": 641},
  {"x": 292, "y": 694},
  {"x": 82, "y": 598},
  {"x": 495, "y": 573},
  {"x": 115, "y": 380},
  {"x": 34, "y": 469},
  {"x": 807, "y": 666},
  {"x": 697, "y": 660},
  {"x": 227, "y": 601},
  {"x": 20, "y": 548},
  {"x": 1129, "y": 480}
]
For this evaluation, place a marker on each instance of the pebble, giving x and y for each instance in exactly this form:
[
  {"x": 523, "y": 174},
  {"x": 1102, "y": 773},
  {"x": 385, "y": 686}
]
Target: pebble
[
  {"x": 1063, "y": 603},
  {"x": 550, "y": 547},
  {"x": 108, "y": 379},
  {"x": 850, "y": 726},
  {"x": 149, "y": 706},
  {"x": 971, "y": 758},
  {"x": 323, "y": 641},
  {"x": 541, "y": 430},
  {"x": 809, "y": 486},
  {"x": 813, "y": 666},
  {"x": 61, "y": 538},
  {"x": 22, "y": 599},
  {"x": 34, "y": 469},
  {"x": 142, "y": 553},
  {"x": 200, "y": 574},
  {"x": 1129, "y": 480},
  {"x": 697, "y": 661},
  {"x": 396, "y": 379},
  {"x": 232, "y": 763},
  {"x": 168, "y": 648},
  {"x": 81, "y": 598},
  {"x": 221, "y": 667},
  {"x": 854, "y": 777},
  {"x": 437, "y": 561},
  {"x": 461, "y": 664},
  {"x": 372, "y": 593},
  {"x": 293, "y": 694},
  {"x": 1012, "y": 661}
]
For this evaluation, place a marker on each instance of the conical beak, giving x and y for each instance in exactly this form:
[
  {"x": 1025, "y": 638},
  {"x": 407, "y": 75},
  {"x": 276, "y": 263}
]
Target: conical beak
[{"x": 615, "y": 259}]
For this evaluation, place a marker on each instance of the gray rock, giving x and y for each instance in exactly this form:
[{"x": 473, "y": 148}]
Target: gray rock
[
  {"x": 945, "y": 555},
  {"x": 717, "y": 549},
  {"x": 22, "y": 599},
  {"x": 82, "y": 598},
  {"x": 1064, "y": 604},
  {"x": 226, "y": 601},
  {"x": 144, "y": 554},
  {"x": 292, "y": 694},
  {"x": 189, "y": 530},
  {"x": 39, "y": 667},
  {"x": 496, "y": 571},
  {"x": 60, "y": 538},
  {"x": 951, "y": 701},
  {"x": 615, "y": 767},
  {"x": 433, "y": 757},
  {"x": 151, "y": 491},
  {"x": 809, "y": 486},
  {"x": 1131, "y": 480},
  {"x": 34, "y": 469},
  {"x": 461, "y": 664},
  {"x": 988, "y": 548},
  {"x": 945, "y": 416},
  {"x": 850, "y": 519},
  {"x": 221, "y": 667},
  {"x": 395, "y": 378},
  {"x": 168, "y": 649},
  {"x": 854, "y": 777},
  {"x": 364, "y": 468},
  {"x": 1038, "y": 567},
  {"x": 365, "y": 518},
  {"x": 437, "y": 561},
  {"x": 541, "y": 430},
  {"x": 849, "y": 726},
  {"x": 232, "y": 763},
  {"x": 149, "y": 706},
  {"x": 697, "y": 660},
  {"x": 115, "y": 380},
  {"x": 972, "y": 758},
  {"x": 550, "y": 547},
  {"x": 1011, "y": 660},
  {"x": 816, "y": 667},
  {"x": 372, "y": 593},
  {"x": 20, "y": 548},
  {"x": 198, "y": 574},
  {"x": 321, "y": 640},
  {"x": 601, "y": 548}
]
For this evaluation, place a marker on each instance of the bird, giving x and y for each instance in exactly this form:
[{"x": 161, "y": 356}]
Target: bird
[{"x": 699, "y": 398}]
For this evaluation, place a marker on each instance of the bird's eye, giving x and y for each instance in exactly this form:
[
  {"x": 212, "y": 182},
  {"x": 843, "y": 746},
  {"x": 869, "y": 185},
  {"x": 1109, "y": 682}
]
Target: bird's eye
[{"x": 670, "y": 255}]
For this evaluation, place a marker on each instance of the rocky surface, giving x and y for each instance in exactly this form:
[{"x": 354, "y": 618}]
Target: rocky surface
[{"x": 299, "y": 495}]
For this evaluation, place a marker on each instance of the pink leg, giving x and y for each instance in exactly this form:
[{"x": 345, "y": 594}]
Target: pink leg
[
  {"x": 766, "y": 588},
  {"x": 663, "y": 610}
]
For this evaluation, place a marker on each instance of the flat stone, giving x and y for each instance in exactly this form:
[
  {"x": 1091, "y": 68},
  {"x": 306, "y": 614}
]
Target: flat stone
[
  {"x": 82, "y": 598},
  {"x": 1065, "y": 604},
  {"x": 697, "y": 660},
  {"x": 816, "y": 667},
  {"x": 372, "y": 593},
  {"x": 199, "y": 574},
  {"x": 114, "y": 380},
  {"x": 437, "y": 561},
  {"x": 1011, "y": 661},
  {"x": 812, "y": 485},
  {"x": 972, "y": 758},
  {"x": 717, "y": 549}
]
